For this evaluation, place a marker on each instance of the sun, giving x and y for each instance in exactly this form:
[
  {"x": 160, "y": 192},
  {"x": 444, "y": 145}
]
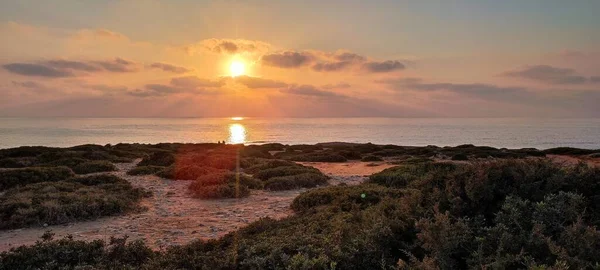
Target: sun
[{"x": 237, "y": 68}]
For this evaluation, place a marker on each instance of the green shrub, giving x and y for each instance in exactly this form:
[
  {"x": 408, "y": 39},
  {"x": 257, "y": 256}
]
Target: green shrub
[
  {"x": 21, "y": 177},
  {"x": 190, "y": 172},
  {"x": 370, "y": 158},
  {"x": 459, "y": 157},
  {"x": 145, "y": 170},
  {"x": 94, "y": 167},
  {"x": 17, "y": 162},
  {"x": 81, "y": 198},
  {"x": 570, "y": 151},
  {"x": 303, "y": 180},
  {"x": 67, "y": 253},
  {"x": 284, "y": 171},
  {"x": 158, "y": 159},
  {"x": 219, "y": 191},
  {"x": 342, "y": 197},
  {"x": 262, "y": 164}
]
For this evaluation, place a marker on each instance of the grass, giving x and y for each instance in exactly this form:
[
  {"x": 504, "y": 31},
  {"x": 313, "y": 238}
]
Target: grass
[{"x": 74, "y": 199}]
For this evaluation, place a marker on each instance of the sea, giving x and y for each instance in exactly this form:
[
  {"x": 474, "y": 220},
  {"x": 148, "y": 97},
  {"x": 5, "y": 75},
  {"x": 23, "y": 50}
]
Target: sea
[{"x": 541, "y": 133}]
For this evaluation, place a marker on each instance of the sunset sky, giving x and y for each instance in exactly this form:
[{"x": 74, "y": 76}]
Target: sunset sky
[{"x": 508, "y": 58}]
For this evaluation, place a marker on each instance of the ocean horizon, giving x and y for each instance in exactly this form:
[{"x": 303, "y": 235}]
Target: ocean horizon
[{"x": 541, "y": 133}]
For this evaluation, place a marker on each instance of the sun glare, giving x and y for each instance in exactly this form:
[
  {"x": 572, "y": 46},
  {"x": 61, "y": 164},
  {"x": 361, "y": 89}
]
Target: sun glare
[
  {"x": 237, "y": 118},
  {"x": 237, "y": 68},
  {"x": 237, "y": 134}
]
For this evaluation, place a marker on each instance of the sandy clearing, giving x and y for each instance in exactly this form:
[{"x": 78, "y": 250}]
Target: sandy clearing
[{"x": 174, "y": 217}]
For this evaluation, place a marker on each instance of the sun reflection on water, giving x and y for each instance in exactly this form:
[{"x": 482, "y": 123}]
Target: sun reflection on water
[{"x": 237, "y": 133}]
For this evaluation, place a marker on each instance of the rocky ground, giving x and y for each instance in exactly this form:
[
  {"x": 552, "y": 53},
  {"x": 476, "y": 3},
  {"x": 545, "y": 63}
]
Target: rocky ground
[{"x": 174, "y": 217}]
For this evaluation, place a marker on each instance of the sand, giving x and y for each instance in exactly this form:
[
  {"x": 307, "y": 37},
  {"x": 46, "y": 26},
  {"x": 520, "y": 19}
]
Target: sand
[{"x": 174, "y": 217}]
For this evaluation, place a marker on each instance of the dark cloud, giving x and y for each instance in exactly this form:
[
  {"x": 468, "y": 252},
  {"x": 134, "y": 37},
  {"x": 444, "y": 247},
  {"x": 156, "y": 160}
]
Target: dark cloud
[
  {"x": 595, "y": 79},
  {"x": 310, "y": 91},
  {"x": 257, "y": 82},
  {"x": 349, "y": 57},
  {"x": 72, "y": 65},
  {"x": 548, "y": 74},
  {"x": 193, "y": 82},
  {"x": 486, "y": 91},
  {"x": 331, "y": 66},
  {"x": 117, "y": 65},
  {"x": 385, "y": 66},
  {"x": 37, "y": 70},
  {"x": 67, "y": 68},
  {"x": 28, "y": 84},
  {"x": 287, "y": 59},
  {"x": 336, "y": 86},
  {"x": 170, "y": 68},
  {"x": 229, "y": 46}
]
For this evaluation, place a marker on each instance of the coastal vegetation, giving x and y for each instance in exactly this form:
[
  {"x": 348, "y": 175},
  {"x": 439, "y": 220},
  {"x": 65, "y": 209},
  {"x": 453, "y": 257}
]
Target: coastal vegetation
[{"x": 494, "y": 209}]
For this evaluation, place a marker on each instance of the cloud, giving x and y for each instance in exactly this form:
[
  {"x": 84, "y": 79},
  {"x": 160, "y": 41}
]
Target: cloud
[
  {"x": 28, "y": 84},
  {"x": 385, "y": 66},
  {"x": 170, "y": 68},
  {"x": 117, "y": 65},
  {"x": 350, "y": 57},
  {"x": 332, "y": 66},
  {"x": 72, "y": 65},
  {"x": 336, "y": 86},
  {"x": 309, "y": 91},
  {"x": 288, "y": 59},
  {"x": 59, "y": 68},
  {"x": 595, "y": 79},
  {"x": 194, "y": 82},
  {"x": 36, "y": 70},
  {"x": 548, "y": 74},
  {"x": 257, "y": 82},
  {"x": 228, "y": 46}
]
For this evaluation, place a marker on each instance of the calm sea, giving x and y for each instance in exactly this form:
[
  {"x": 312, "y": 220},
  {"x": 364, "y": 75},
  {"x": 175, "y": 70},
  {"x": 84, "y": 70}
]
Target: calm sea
[{"x": 497, "y": 132}]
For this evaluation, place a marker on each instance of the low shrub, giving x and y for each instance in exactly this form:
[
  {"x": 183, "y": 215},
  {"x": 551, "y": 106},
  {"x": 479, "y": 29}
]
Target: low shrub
[
  {"x": 303, "y": 180},
  {"x": 145, "y": 170},
  {"x": 158, "y": 159},
  {"x": 17, "y": 162},
  {"x": 459, "y": 157},
  {"x": 94, "y": 167},
  {"x": 370, "y": 158},
  {"x": 284, "y": 171},
  {"x": 342, "y": 197},
  {"x": 190, "y": 172},
  {"x": 80, "y": 198},
  {"x": 569, "y": 151},
  {"x": 256, "y": 165},
  {"x": 24, "y": 176},
  {"x": 219, "y": 191},
  {"x": 318, "y": 157}
]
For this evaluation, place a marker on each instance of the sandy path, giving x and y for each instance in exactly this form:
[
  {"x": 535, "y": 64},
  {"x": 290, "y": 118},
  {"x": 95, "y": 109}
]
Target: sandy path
[
  {"x": 351, "y": 172},
  {"x": 174, "y": 217}
]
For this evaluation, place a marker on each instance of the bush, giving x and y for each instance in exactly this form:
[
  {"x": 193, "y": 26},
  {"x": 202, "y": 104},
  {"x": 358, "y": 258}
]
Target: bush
[
  {"x": 158, "y": 159},
  {"x": 190, "y": 172},
  {"x": 145, "y": 170},
  {"x": 21, "y": 177},
  {"x": 81, "y": 198},
  {"x": 219, "y": 191},
  {"x": 284, "y": 171},
  {"x": 94, "y": 167},
  {"x": 570, "y": 151},
  {"x": 17, "y": 162},
  {"x": 370, "y": 158},
  {"x": 343, "y": 197},
  {"x": 460, "y": 157},
  {"x": 303, "y": 180}
]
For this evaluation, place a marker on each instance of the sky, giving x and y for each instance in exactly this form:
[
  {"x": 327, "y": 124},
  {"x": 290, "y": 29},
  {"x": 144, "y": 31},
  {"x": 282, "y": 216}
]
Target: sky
[{"x": 133, "y": 58}]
